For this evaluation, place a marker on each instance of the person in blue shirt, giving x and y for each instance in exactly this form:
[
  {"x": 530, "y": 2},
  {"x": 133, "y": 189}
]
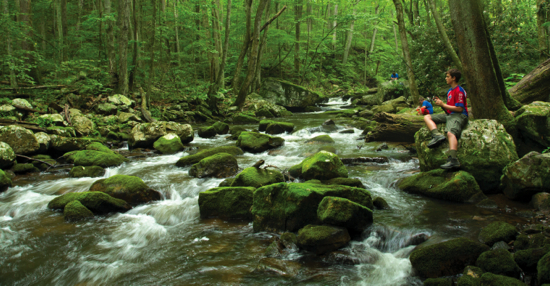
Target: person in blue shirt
[
  {"x": 425, "y": 107},
  {"x": 394, "y": 76}
]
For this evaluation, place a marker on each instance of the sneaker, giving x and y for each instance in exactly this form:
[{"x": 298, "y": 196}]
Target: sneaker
[
  {"x": 436, "y": 140},
  {"x": 452, "y": 163}
]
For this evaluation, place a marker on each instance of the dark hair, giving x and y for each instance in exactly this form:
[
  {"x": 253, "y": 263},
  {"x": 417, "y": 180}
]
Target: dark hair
[
  {"x": 455, "y": 73},
  {"x": 421, "y": 99}
]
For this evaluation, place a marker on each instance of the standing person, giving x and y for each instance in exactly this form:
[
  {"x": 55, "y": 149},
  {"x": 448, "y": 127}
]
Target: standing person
[
  {"x": 455, "y": 117},
  {"x": 394, "y": 76},
  {"x": 425, "y": 107}
]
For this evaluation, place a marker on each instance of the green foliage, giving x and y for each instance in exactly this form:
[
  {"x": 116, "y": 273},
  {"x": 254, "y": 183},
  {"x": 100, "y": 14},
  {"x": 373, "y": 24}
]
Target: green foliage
[
  {"x": 42, "y": 122},
  {"x": 546, "y": 150},
  {"x": 513, "y": 79}
]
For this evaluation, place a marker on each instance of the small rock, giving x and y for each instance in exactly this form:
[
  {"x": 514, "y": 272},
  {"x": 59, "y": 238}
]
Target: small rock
[{"x": 322, "y": 238}]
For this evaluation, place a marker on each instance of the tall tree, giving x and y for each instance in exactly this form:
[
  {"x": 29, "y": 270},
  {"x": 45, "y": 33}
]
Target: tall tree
[
  {"x": 110, "y": 41},
  {"x": 405, "y": 48},
  {"x": 349, "y": 38},
  {"x": 7, "y": 24},
  {"x": 123, "y": 26},
  {"x": 334, "y": 26},
  {"x": 246, "y": 45},
  {"x": 375, "y": 30},
  {"x": 151, "y": 50},
  {"x": 297, "y": 20},
  {"x": 542, "y": 31},
  {"x": 25, "y": 12},
  {"x": 444, "y": 37},
  {"x": 216, "y": 39}
]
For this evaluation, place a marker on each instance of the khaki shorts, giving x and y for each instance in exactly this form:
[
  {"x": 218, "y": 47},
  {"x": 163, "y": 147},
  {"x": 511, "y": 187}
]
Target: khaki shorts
[{"x": 454, "y": 122}]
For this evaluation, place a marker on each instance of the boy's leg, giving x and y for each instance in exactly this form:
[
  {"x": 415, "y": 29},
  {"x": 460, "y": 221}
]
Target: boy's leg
[
  {"x": 431, "y": 121},
  {"x": 454, "y": 129}
]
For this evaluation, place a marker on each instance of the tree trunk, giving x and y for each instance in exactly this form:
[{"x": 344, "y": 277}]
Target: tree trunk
[
  {"x": 395, "y": 34},
  {"x": 80, "y": 4},
  {"x": 349, "y": 39},
  {"x": 176, "y": 32},
  {"x": 252, "y": 60},
  {"x": 374, "y": 32},
  {"x": 534, "y": 86},
  {"x": 481, "y": 68},
  {"x": 258, "y": 77},
  {"x": 65, "y": 27},
  {"x": 542, "y": 17},
  {"x": 443, "y": 35},
  {"x": 151, "y": 51},
  {"x": 11, "y": 66},
  {"x": 297, "y": 19},
  {"x": 428, "y": 19},
  {"x": 310, "y": 19},
  {"x": 216, "y": 37},
  {"x": 59, "y": 14},
  {"x": 246, "y": 45},
  {"x": 110, "y": 37},
  {"x": 123, "y": 23},
  {"x": 25, "y": 10},
  {"x": 405, "y": 47},
  {"x": 416, "y": 12},
  {"x": 132, "y": 79},
  {"x": 334, "y": 25}
]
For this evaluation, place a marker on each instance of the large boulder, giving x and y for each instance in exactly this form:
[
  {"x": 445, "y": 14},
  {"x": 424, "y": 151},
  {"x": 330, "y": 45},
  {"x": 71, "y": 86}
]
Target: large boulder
[
  {"x": 527, "y": 259},
  {"x": 90, "y": 171},
  {"x": 244, "y": 118},
  {"x": 5, "y": 181},
  {"x": 95, "y": 156},
  {"x": 323, "y": 139},
  {"x": 124, "y": 117},
  {"x": 121, "y": 101},
  {"x": 67, "y": 144},
  {"x": 62, "y": 131},
  {"x": 498, "y": 261},
  {"x": 321, "y": 166},
  {"x": 82, "y": 124},
  {"x": 345, "y": 213},
  {"x": 256, "y": 177},
  {"x": 131, "y": 189},
  {"x": 281, "y": 206},
  {"x": 440, "y": 184},
  {"x": 490, "y": 279},
  {"x": 21, "y": 102},
  {"x": 543, "y": 269},
  {"x": 220, "y": 128},
  {"x": 446, "y": 258},
  {"x": 97, "y": 202},
  {"x": 527, "y": 176},
  {"x": 221, "y": 165},
  {"x": 322, "y": 238},
  {"x": 56, "y": 119},
  {"x": 262, "y": 108},
  {"x": 144, "y": 135},
  {"x": 7, "y": 156},
  {"x": 498, "y": 231},
  {"x": 257, "y": 143},
  {"x": 169, "y": 144},
  {"x": 533, "y": 122},
  {"x": 44, "y": 141},
  {"x": 106, "y": 108},
  {"x": 207, "y": 132},
  {"x": 76, "y": 211},
  {"x": 226, "y": 203},
  {"x": 484, "y": 149},
  {"x": 195, "y": 158},
  {"x": 293, "y": 97},
  {"x": 21, "y": 140},
  {"x": 279, "y": 127}
]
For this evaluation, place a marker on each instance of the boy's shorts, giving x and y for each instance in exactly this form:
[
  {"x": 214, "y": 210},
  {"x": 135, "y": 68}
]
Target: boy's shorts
[{"x": 454, "y": 122}]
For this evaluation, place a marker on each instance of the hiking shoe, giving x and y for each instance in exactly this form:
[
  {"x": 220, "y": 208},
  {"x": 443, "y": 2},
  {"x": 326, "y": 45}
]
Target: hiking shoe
[
  {"x": 452, "y": 163},
  {"x": 436, "y": 140}
]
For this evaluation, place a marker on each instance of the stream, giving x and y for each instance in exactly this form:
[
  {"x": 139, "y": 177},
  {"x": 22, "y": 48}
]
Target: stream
[{"x": 166, "y": 243}]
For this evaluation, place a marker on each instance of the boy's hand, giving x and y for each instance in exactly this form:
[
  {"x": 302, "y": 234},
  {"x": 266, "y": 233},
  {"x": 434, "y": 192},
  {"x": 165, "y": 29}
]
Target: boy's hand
[{"x": 438, "y": 102}]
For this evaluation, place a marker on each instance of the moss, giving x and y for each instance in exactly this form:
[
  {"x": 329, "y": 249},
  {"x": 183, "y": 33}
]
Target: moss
[
  {"x": 90, "y": 171},
  {"x": 498, "y": 231},
  {"x": 327, "y": 148},
  {"x": 288, "y": 239},
  {"x": 5, "y": 181},
  {"x": 169, "y": 144},
  {"x": 323, "y": 165},
  {"x": 263, "y": 124},
  {"x": 264, "y": 112},
  {"x": 207, "y": 132},
  {"x": 468, "y": 281},
  {"x": 226, "y": 203},
  {"x": 97, "y": 146},
  {"x": 97, "y": 158},
  {"x": 343, "y": 212},
  {"x": 236, "y": 131},
  {"x": 543, "y": 269},
  {"x": 527, "y": 259},
  {"x": 97, "y": 202},
  {"x": 128, "y": 188},
  {"x": 75, "y": 211},
  {"x": 446, "y": 258},
  {"x": 352, "y": 182},
  {"x": 490, "y": 279},
  {"x": 256, "y": 143},
  {"x": 246, "y": 119},
  {"x": 221, "y": 165},
  {"x": 227, "y": 182},
  {"x": 438, "y": 282},
  {"x": 220, "y": 127},
  {"x": 254, "y": 177},
  {"x": 295, "y": 171},
  {"x": 193, "y": 159},
  {"x": 279, "y": 127},
  {"x": 381, "y": 204},
  {"x": 24, "y": 168},
  {"x": 321, "y": 139},
  {"x": 322, "y": 238},
  {"x": 498, "y": 261},
  {"x": 525, "y": 241}
]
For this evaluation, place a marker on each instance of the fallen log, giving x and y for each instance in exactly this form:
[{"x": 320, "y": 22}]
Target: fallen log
[
  {"x": 395, "y": 128},
  {"x": 32, "y": 159},
  {"x": 534, "y": 86},
  {"x": 28, "y": 109},
  {"x": 27, "y": 125}
]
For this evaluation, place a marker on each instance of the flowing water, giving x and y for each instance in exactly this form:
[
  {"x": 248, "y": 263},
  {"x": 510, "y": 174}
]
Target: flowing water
[{"x": 166, "y": 243}]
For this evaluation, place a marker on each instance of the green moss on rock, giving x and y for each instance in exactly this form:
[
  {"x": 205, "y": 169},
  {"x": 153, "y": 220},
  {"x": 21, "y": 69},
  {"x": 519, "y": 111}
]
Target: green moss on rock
[
  {"x": 128, "y": 188},
  {"x": 245, "y": 119},
  {"x": 438, "y": 282},
  {"x": 322, "y": 238},
  {"x": 255, "y": 177},
  {"x": 527, "y": 176},
  {"x": 527, "y": 259},
  {"x": 5, "y": 181},
  {"x": 221, "y": 165},
  {"x": 279, "y": 127},
  {"x": 193, "y": 159},
  {"x": 498, "y": 261},
  {"x": 323, "y": 166},
  {"x": 498, "y": 231},
  {"x": 97, "y": 202},
  {"x": 543, "y": 269},
  {"x": 525, "y": 241},
  {"x": 97, "y": 158},
  {"x": 221, "y": 128},
  {"x": 381, "y": 204},
  {"x": 24, "y": 168},
  {"x": 227, "y": 203},
  {"x": 490, "y": 279},
  {"x": 75, "y": 211},
  {"x": 352, "y": 182},
  {"x": 89, "y": 171},
  {"x": 169, "y": 144},
  {"x": 345, "y": 213},
  {"x": 325, "y": 139},
  {"x": 256, "y": 142}
]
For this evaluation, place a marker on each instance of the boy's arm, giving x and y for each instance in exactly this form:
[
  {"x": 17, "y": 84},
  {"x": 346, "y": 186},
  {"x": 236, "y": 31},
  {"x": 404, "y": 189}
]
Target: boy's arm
[{"x": 438, "y": 102}]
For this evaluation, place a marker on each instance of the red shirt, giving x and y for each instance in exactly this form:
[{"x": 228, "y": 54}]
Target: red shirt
[{"x": 457, "y": 97}]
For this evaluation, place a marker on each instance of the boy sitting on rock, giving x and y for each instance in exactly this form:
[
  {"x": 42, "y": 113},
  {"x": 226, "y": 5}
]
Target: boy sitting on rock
[{"x": 455, "y": 117}]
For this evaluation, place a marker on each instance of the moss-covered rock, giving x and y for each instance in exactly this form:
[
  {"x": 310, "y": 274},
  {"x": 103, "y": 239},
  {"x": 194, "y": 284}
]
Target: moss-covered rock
[
  {"x": 352, "y": 182},
  {"x": 264, "y": 112},
  {"x": 97, "y": 202},
  {"x": 279, "y": 127},
  {"x": 67, "y": 144},
  {"x": 21, "y": 140},
  {"x": 527, "y": 176},
  {"x": 128, "y": 188},
  {"x": 5, "y": 181},
  {"x": 255, "y": 177},
  {"x": 526, "y": 241},
  {"x": 75, "y": 211},
  {"x": 7, "y": 156},
  {"x": 498, "y": 231},
  {"x": 498, "y": 261},
  {"x": 82, "y": 124},
  {"x": 380, "y": 204},
  {"x": 195, "y": 158},
  {"x": 543, "y": 269},
  {"x": 446, "y": 258},
  {"x": 169, "y": 144},
  {"x": 490, "y": 279},
  {"x": 144, "y": 135},
  {"x": 289, "y": 95},
  {"x": 62, "y": 131},
  {"x": 295, "y": 171},
  {"x": 438, "y": 282},
  {"x": 221, "y": 165},
  {"x": 221, "y": 128},
  {"x": 289, "y": 240},
  {"x": 207, "y": 132},
  {"x": 24, "y": 168},
  {"x": 96, "y": 158},
  {"x": 484, "y": 149},
  {"x": 527, "y": 259},
  {"x": 43, "y": 140},
  {"x": 289, "y": 207},
  {"x": 324, "y": 139},
  {"x": 227, "y": 203},
  {"x": 440, "y": 184},
  {"x": 541, "y": 201},
  {"x": 263, "y": 124},
  {"x": 227, "y": 182},
  {"x": 242, "y": 118},
  {"x": 236, "y": 131},
  {"x": 322, "y": 238},
  {"x": 89, "y": 171},
  {"x": 345, "y": 213},
  {"x": 322, "y": 166},
  {"x": 532, "y": 122},
  {"x": 256, "y": 142}
]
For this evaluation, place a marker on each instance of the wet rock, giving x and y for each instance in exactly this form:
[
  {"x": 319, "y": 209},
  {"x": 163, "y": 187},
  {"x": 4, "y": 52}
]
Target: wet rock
[
  {"x": 322, "y": 238},
  {"x": 532, "y": 122},
  {"x": 221, "y": 128},
  {"x": 444, "y": 281},
  {"x": 5, "y": 181},
  {"x": 242, "y": 118},
  {"x": 66, "y": 144},
  {"x": 491, "y": 279},
  {"x": 383, "y": 146},
  {"x": 499, "y": 262},
  {"x": 289, "y": 207},
  {"x": 7, "y": 156},
  {"x": 195, "y": 158},
  {"x": 541, "y": 201},
  {"x": 352, "y": 182},
  {"x": 24, "y": 168},
  {"x": 236, "y": 131},
  {"x": 275, "y": 249},
  {"x": 279, "y": 267},
  {"x": 487, "y": 204},
  {"x": 21, "y": 140},
  {"x": 417, "y": 239},
  {"x": 322, "y": 166},
  {"x": 97, "y": 202},
  {"x": 207, "y": 132},
  {"x": 145, "y": 134},
  {"x": 527, "y": 259},
  {"x": 279, "y": 127},
  {"x": 75, "y": 211},
  {"x": 527, "y": 176},
  {"x": 325, "y": 139},
  {"x": 227, "y": 182},
  {"x": 131, "y": 189},
  {"x": 221, "y": 165},
  {"x": 347, "y": 131},
  {"x": 102, "y": 158},
  {"x": 501, "y": 245},
  {"x": 498, "y": 231},
  {"x": 264, "y": 112},
  {"x": 43, "y": 140},
  {"x": 526, "y": 241},
  {"x": 381, "y": 204},
  {"x": 289, "y": 240},
  {"x": 543, "y": 269},
  {"x": 255, "y": 177},
  {"x": 90, "y": 171},
  {"x": 446, "y": 258},
  {"x": 440, "y": 184},
  {"x": 257, "y": 143},
  {"x": 485, "y": 148},
  {"x": 293, "y": 97},
  {"x": 329, "y": 122},
  {"x": 327, "y": 148},
  {"x": 226, "y": 203},
  {"x": 359, "y": 160},
  {"x": 345, "y": 213},
  {"x": 169, "y": 144}
]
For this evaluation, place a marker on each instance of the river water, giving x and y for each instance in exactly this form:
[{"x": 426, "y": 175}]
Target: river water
[{"x": 166, "y": 243}]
